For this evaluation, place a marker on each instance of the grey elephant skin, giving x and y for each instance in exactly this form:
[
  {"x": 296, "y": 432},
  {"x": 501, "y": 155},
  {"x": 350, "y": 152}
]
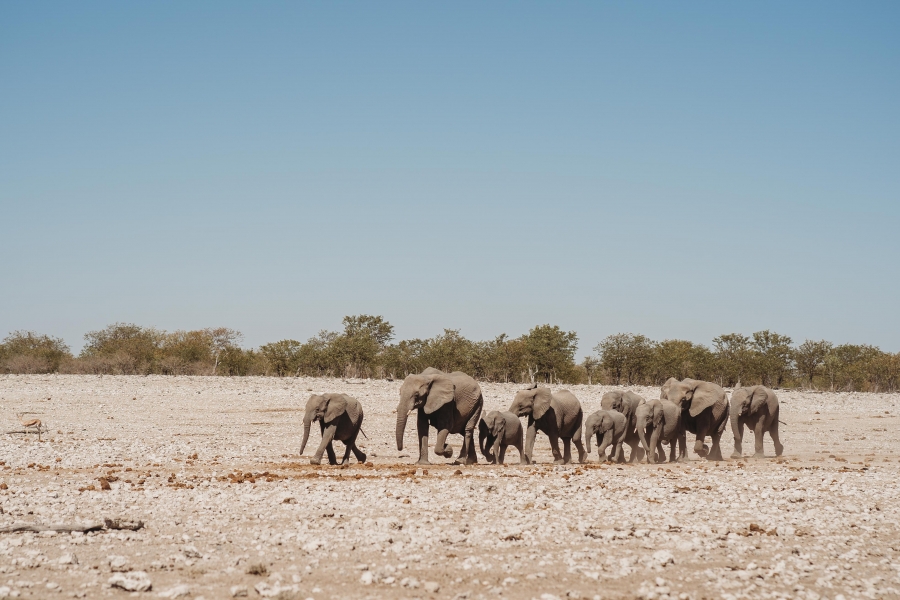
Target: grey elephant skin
[
  {"x": 496, "y": 431},
  {"x": 756, "y": 407},
  {"x": 659, "y": 421},
  {"x": 449, "y": 402},
  {"x": 558, "y": 415},
  {"x": 626, "y": 403},
  {"x": 704, "y": 411},
  {"x": 610, "y": 427},
  {"x": 340, "y": 417}
]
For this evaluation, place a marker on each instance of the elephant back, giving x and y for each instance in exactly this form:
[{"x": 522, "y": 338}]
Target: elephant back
[
  {"x": 467, "y": 392},
  {"x": 513, "y": 426},
  {"x": 568, "y": 412}
]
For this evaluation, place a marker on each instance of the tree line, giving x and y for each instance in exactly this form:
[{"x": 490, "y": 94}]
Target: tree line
[{"x": 365, "y": 348}]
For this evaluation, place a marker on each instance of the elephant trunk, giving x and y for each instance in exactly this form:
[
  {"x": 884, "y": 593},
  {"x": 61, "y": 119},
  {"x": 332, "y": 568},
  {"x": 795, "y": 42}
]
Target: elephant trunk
[
  {"x": 306, "y": 425},
  {"x": 402, "y": 415},
  {"x": 496, "y": 450},
  {"x": 649, "y": 449},
  {"x": 587, "y": 440},
  {"x": 654, "y": 445},
  {"x": 483, "y": 442}
]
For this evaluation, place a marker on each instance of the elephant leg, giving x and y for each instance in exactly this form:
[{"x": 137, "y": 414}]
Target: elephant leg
[
  {"x": 348, "y": 445},
  {"x": 637, "y": 453},
  {"x": 699, "y": 447},
  {"x": 441, "y": 447},
  {"x": 469, "y": 438},
  {"x": 738, "y": 432},
  {"x": 554, "y": 447},
  {"x": 422, "y": 431},
  {"x": 715, "y": 452},
  {"x": 682, "y": 447},
  {"x": 529, "y": 443},
  {"x": 579, "y": 445},
  {"x": 567, "y": 450},
  {"x": 522, "y": 459},
  {"x": 773, "y": 431},
  {"x": 662, "y": 454},
  {"x": 502, "y": 455},
  {"x": 758, "y": 432},
  {"x": 359, "y": 454},
  {"x": 325, "y": 446}
]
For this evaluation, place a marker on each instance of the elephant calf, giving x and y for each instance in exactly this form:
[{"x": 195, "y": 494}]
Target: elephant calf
[
  {"x": 626, "y": 403},
  {"x": 757, "y": 407},
  {"x": 496, "y": 431},
  {"x": 610, "y": 427},
  {"x": 660, "y": 421},
  {"x": 340, "y": 418}
]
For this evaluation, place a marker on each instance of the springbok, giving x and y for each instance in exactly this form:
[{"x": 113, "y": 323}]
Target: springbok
[{"x": 30, "y": 424}]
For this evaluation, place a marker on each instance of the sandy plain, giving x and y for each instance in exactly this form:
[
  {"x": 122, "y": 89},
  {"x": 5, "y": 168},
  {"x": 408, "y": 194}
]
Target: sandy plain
[{"x": 229, "y": 507}]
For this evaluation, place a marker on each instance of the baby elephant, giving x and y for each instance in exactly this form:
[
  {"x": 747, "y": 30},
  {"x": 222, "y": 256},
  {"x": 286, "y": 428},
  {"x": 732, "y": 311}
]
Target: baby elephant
[
  {"x": 496, "y": 431},
  {"x": 659, "y": 421},
  {"x": 610, "y": 427},
  {"x": 340, "y": 417},
  {"x": 757, "y": 407}
]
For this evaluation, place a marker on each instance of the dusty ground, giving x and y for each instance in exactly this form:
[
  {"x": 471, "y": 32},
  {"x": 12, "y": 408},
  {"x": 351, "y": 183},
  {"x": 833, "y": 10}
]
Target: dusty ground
[{"x": 821, "y": 522}]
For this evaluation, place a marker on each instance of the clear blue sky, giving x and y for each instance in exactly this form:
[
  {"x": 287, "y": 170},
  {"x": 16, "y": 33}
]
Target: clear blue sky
[{"x": 674, "y": 169}]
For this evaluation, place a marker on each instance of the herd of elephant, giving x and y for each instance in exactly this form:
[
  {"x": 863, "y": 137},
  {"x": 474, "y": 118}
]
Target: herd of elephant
[{"x": 452, "y": 403}]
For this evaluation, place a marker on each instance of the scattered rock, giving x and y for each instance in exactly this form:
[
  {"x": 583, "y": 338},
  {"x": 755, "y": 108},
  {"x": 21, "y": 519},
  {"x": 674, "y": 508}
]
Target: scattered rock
[{"x": 132, "y": 581}]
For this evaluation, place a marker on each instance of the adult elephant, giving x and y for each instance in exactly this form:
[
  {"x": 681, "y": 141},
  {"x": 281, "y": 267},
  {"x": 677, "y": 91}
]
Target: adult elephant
[
  {"x": 449, "y": 402},
  {"x": 704, "y": 411},
  {"x": 558, "y": 415},
  {"x": 757, "y": 407},
  {"x": 659, "y": 421},
  {"x": 626, "y": 403},
  {"x": 340, "y": 417}
]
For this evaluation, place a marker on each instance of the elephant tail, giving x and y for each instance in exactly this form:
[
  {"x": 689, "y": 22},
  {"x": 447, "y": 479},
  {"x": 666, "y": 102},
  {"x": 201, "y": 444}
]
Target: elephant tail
[
  {"x": 363, "y": 432},
  {"x": 782, "y": 422}
]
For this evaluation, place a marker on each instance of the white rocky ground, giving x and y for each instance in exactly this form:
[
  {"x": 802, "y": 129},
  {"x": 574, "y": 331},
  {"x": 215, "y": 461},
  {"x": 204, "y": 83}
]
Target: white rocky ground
[{"x": 821, "y": 522}]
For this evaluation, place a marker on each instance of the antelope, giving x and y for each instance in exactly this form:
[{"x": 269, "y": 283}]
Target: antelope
[{"x": 30, "y": 423}]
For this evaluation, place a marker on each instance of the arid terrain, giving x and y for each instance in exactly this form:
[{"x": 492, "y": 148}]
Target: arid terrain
[{"x": 229, "y": 508}]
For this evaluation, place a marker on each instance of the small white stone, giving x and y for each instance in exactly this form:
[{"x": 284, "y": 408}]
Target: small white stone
[
  {"x": 239, "y": 591},
  {"x": 366, "y": 578},
  {"x": 432, "y": 587},
  {"x": 176, "y": 592},
  {"x": 132, "y": 581}
]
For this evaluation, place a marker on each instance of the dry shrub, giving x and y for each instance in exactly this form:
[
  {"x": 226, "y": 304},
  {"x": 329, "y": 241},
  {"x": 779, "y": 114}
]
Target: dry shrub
[{"x": 26, "y": 365}]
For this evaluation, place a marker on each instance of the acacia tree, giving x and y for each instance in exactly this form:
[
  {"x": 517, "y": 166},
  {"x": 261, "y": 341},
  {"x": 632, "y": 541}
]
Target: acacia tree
[
  {"x": 733, "y": 357},
  {"x": 625, "y": 355},
  {"x": 774, "y": 356},
  {"x": 550, "y": 352},
  {"x": 810, "y": 357},
  {"x": 29, "y": 352}
]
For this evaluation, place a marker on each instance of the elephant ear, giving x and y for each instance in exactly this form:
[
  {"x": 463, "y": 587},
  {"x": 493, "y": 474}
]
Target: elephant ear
[
  {"x": 701, "y": 399},
  {"x": 542, "y": 397},
  {"x": 337, "y": 405},
  {"x": 439, "y": 394},
  {"x": 758, "y": 397},
  {"x": 658, "y": 414}
]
